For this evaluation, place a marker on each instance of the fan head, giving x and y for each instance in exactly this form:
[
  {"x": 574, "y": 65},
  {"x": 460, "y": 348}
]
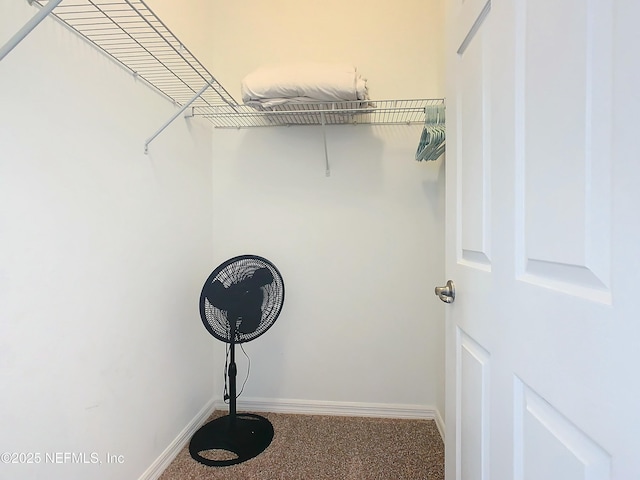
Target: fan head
[{"x": 245, "y": 294}]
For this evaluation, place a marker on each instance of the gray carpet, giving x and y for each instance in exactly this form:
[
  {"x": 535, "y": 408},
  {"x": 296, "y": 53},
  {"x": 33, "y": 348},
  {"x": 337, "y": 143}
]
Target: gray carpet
[{"x": 310, "y": 447}]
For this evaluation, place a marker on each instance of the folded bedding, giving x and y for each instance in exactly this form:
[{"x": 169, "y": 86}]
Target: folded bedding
[{"x": 268, "y": 87}]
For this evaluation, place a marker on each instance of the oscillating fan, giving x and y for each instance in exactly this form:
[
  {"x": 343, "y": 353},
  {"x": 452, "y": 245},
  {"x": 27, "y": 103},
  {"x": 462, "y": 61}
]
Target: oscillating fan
[{"x": 240, "y": 301}]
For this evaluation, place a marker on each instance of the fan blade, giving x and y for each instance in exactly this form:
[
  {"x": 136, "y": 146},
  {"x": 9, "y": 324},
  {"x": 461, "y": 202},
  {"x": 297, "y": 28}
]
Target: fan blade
[
  {"x": 250, "y": 321},
  {"x": 217, "y": 295},
  {"x": 260, "y": 278},
  {"x": 246, "y": 306}
]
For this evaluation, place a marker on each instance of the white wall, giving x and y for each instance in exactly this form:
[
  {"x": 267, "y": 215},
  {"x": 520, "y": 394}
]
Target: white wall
[
  {"x": 190, "y": 21},
  {"x": 360, "y": 251},
  {"x": 103, "y": 251}
]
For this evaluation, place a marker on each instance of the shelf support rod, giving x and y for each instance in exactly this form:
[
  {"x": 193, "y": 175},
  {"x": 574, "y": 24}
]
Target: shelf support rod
[
  {"x": 28, "y": 27},
  {"x": 324, "y": 138},
  {"x": 176, "y": 115}
]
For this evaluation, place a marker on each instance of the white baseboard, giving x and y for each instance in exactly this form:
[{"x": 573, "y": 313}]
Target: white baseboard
[
  {"x": 166, "y": 457},
  {"x": 355, "y": 409},
  {"x": 440, "y": 424}
]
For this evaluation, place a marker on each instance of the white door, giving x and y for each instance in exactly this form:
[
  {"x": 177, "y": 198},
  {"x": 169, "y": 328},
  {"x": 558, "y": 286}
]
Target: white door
[{"x": 543, "y": 239}]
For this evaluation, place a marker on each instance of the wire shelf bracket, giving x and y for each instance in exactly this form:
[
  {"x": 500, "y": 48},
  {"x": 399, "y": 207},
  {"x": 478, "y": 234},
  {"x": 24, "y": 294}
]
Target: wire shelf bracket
[
  {"x": 324, "y": 138},
  {"x": 28, "y": 27},
  {"x": 176, "y": 115}
]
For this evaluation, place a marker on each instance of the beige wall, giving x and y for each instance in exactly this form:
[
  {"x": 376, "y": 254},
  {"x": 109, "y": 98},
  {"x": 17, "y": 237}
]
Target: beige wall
[{"x": 397, "y": 46}]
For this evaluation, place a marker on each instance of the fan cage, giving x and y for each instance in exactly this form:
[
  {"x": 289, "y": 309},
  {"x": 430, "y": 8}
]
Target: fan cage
[{"x": 231, "y": 272}]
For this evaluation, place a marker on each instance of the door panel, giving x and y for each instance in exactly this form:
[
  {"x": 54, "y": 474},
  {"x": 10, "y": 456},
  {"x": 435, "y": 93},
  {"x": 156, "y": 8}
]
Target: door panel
[
  {"x": 563, "y": 118},
  {"x": 474, "y": 168},
  {"x": 548, "y": 445},
  {"x": 473, "y": 378},
  {"x": 543, "y": 240}
]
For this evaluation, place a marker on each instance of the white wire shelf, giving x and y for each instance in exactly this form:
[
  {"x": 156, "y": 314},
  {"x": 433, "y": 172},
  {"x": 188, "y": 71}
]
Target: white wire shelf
[
  {"x": 379, "y": 112},
  {"x": 129, "y": 32}
]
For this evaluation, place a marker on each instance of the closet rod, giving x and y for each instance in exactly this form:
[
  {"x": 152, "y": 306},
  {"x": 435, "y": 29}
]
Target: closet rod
[
  {"x": 176, "y": 115},
  {"x": 28, "y": 27}
]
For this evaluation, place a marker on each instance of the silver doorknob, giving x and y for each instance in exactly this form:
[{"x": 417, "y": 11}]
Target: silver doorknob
[{"x": 447, "y": 293}]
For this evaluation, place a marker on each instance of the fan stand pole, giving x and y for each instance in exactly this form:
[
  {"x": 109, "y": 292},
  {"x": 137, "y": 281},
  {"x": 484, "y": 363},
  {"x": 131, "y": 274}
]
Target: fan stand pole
[
  {"x": 232, "y": 373},
  {"x": 237, "y": 437}
]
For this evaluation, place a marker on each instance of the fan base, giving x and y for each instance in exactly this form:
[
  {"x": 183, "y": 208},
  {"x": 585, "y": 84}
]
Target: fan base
[{"x": 242, "y": 436}]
